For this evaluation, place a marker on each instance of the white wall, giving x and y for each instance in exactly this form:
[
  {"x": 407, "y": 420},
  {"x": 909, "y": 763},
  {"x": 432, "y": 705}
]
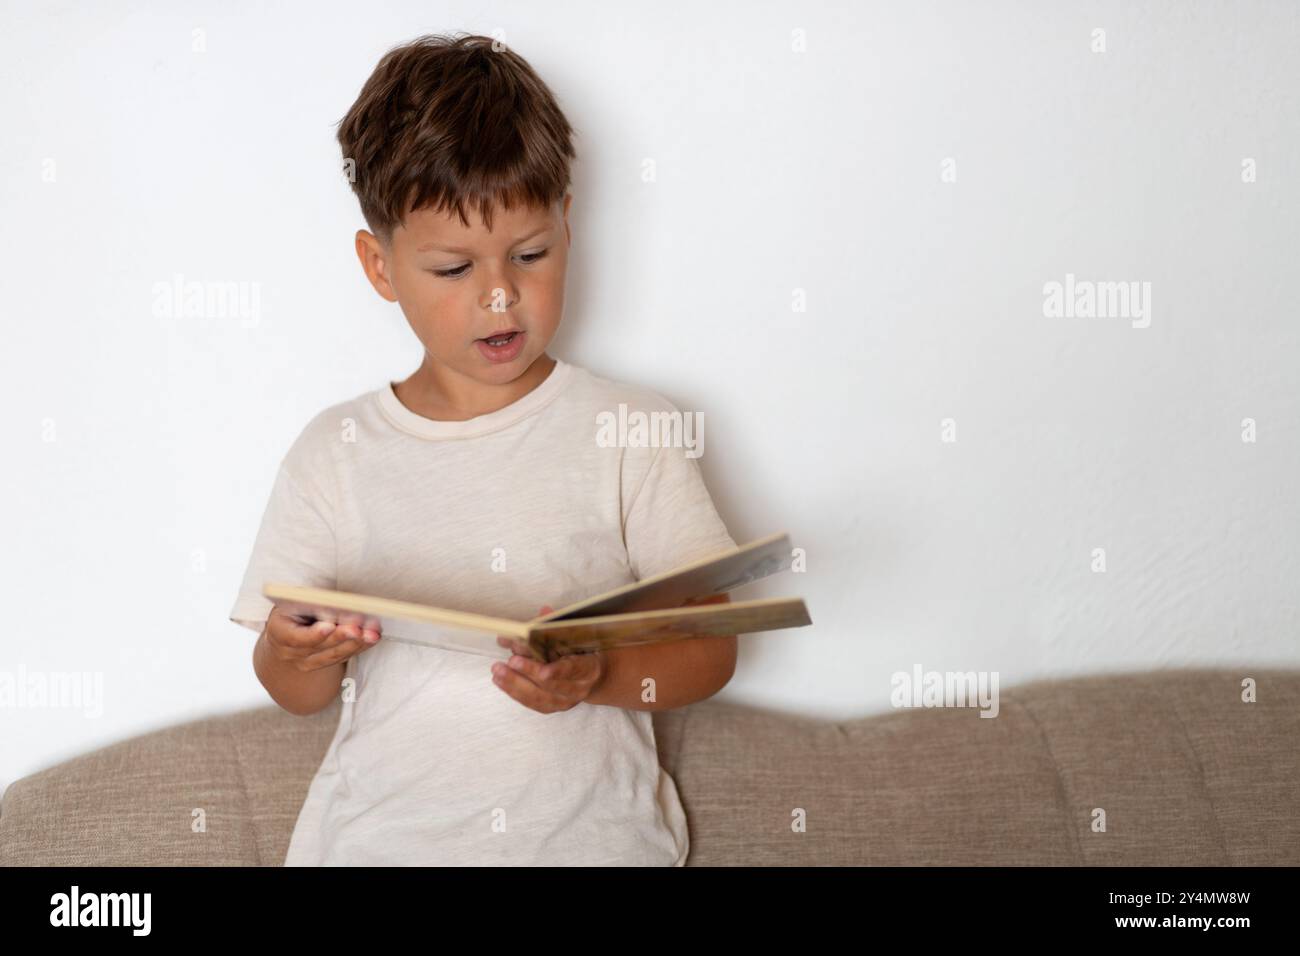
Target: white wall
[{"x": 139, "y": 450}]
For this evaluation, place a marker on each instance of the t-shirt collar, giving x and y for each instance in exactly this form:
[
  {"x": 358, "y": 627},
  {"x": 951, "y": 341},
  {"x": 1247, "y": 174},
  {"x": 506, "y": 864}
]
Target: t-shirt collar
[{"x": 516, "y": 411}]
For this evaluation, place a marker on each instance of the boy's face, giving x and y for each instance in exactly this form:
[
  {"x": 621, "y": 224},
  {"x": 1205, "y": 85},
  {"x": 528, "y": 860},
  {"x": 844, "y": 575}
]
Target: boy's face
[{"x": 458, "y": 285}]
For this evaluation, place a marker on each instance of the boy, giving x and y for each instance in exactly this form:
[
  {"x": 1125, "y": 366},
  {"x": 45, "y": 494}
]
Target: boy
[{"x": 477, "y": 483}]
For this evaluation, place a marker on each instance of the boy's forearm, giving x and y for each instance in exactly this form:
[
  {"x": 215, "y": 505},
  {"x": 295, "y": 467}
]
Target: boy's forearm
[
  {"x": 682, "y": 672},
  {"x": 299, "y": 692}
]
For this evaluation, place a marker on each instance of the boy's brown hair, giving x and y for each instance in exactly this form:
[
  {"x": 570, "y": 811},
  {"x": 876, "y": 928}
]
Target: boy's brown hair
[{"x": 454, "y": 123}]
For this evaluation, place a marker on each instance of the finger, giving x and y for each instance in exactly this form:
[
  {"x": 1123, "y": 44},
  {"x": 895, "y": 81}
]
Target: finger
[
  {"x": 526, "y": 666},
  {"x": 290, "y": 629},
  {"x": 341, "y": 634},
  {"x": 353, "y": 627},
  {"x": 527, "y": 693},
  {"x": 291, "y": 614},
  {"x": 286, "y": 632},
  {"x": 335, "y": 654},
  {"x": 568, "y": 679},
  {"x": 516, "y": 646}
]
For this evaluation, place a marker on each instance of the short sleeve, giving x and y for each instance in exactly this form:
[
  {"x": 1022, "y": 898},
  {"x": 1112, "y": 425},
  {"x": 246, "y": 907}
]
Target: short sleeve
[
  {"x": 671, "y": 519},
  {"x": 295, "y": 545}
]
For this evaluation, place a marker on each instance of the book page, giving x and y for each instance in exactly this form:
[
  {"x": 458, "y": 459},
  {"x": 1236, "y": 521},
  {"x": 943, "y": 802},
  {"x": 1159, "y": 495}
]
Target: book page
[{"x": 713, "y": 575}]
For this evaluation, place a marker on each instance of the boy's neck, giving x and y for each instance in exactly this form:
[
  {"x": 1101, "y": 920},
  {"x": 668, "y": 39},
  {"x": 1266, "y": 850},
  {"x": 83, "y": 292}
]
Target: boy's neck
[{"x": 445, "y": 396}]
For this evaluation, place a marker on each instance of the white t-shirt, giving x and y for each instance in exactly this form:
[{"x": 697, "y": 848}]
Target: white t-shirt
[{"x": 432, "y": 763}]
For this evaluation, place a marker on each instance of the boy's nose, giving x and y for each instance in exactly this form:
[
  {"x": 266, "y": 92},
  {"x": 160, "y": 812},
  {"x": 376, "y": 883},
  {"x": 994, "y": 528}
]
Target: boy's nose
[{"x": 500, "y": 296}]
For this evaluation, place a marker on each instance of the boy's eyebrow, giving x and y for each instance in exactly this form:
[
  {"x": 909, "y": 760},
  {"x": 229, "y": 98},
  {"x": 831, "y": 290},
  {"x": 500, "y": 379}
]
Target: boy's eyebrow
[{"x": 465, "y": 252}]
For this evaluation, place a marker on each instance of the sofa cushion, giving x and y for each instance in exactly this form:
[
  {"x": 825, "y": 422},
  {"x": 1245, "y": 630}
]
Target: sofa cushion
[{"x": 924, "y": 786}]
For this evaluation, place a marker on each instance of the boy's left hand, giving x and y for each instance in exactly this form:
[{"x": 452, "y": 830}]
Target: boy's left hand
[{"x": 547, "y": 688}]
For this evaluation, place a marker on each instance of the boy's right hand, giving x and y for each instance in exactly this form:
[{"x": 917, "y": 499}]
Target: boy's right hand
[{"x": 309, "y": 647}]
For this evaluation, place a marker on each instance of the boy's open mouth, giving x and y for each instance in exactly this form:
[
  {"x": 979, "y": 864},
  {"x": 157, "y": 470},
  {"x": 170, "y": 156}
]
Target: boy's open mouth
[{"x": 501, "y": 339}]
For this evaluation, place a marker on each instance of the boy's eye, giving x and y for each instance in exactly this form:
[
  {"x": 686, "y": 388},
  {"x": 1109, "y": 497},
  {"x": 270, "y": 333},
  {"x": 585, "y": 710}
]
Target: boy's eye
[{"x": 456, "y": 273}]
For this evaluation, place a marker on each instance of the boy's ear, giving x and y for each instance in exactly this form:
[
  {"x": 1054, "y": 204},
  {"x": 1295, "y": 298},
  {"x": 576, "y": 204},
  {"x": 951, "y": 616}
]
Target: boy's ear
[{"x": 374, "y": 260}]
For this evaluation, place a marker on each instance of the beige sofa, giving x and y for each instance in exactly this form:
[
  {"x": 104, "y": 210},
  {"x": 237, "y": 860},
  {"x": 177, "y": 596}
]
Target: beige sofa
[{"x": 1186, "y": 772}]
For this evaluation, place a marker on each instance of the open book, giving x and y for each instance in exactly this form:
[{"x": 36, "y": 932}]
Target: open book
[{"x": 648, "y": 611}]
